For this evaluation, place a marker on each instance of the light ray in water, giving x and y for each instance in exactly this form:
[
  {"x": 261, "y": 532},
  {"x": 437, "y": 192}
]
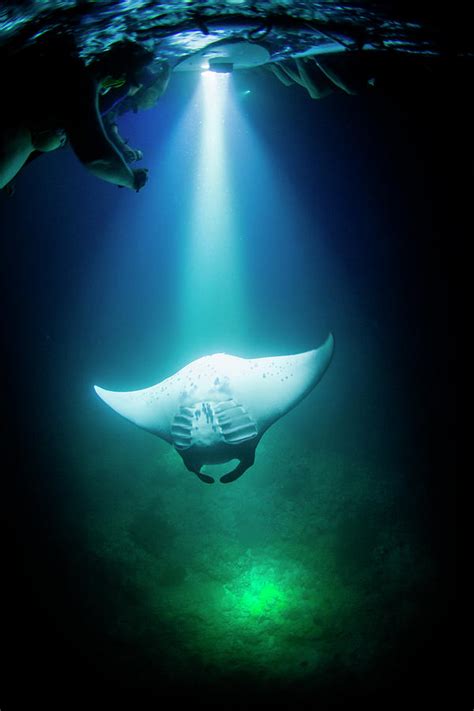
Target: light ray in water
[{"x": 212, "y": 296}]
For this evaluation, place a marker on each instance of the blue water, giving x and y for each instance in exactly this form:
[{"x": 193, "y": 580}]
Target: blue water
[{"x": 324, "y": 570}]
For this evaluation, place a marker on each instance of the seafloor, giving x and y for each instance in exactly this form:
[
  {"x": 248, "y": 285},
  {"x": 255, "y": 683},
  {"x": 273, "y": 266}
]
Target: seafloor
[{"x": 309, "y": 573}]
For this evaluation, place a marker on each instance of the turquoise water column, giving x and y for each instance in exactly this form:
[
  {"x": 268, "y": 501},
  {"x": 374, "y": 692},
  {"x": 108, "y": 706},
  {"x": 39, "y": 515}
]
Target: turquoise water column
[{"x": 212, "y": 307}]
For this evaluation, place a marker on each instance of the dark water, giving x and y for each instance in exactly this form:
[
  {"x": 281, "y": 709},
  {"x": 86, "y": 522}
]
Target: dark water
[{"x": 325, "y": 575}]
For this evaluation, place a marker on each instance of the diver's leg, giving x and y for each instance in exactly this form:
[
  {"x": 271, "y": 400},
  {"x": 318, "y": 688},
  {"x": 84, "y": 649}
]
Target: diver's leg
[
  {"x": 293, "y": 75},
  {"x": 280, "y": 74},
  {"x": 335, "y": 77},
  {"x": 313, "y": 80},
  {"x": 15, "y": 148}
]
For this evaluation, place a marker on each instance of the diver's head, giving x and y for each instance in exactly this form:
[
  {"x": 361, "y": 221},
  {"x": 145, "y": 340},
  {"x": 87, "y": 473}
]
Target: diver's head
[
  {"x": 121, "y": 64},
  {"x": 153, "y": 83}
]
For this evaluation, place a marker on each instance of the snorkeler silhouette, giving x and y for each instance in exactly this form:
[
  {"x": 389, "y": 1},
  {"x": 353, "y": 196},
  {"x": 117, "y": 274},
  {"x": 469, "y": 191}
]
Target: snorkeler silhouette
[
  {"x": 53, "y": 96},
  {"x": 355, "y": 72},
  {"x": 149, "y": 85}
]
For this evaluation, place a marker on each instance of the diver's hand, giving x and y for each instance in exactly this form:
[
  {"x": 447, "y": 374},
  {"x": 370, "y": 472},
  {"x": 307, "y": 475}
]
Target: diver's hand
[
  {"x": 140, "y": 178},
  {"x": 10, "y": 188},
  {"x": 131, "y": 155}
]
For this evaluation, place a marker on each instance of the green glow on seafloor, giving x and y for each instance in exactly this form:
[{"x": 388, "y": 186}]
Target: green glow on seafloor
[{"x": 262, "y": 596}]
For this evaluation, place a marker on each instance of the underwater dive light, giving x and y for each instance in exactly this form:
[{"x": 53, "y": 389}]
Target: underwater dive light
[
  {"x": 221, "y": 66},
  {"x": 224, "y": 57}
]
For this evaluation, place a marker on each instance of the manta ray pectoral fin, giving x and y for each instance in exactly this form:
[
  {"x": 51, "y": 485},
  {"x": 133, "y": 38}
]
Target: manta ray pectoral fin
[
  {"x": 217, "y": 408},
  {"x": 142, "y": 407},
  {"x": 268, "y": 388}
]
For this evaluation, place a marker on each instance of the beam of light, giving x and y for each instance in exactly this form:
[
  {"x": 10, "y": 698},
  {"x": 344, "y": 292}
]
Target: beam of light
[
  {"x": 212, "y": 308},
  {"x": 234, "y": 253}
]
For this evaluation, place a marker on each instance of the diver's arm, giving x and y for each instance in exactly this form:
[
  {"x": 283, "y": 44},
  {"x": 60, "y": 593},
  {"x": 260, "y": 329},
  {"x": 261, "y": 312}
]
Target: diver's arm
[
  {"x": 89, "y": 141},
  {"x": 128, "y": 154}
]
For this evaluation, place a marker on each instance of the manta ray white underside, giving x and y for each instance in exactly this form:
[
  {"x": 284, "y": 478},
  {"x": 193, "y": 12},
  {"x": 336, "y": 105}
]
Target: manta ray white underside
[{"x": 218, "y": 407}]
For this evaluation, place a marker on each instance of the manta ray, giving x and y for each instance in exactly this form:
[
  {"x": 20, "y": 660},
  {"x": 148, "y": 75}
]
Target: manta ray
[{"x": 218, "y": 407}]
